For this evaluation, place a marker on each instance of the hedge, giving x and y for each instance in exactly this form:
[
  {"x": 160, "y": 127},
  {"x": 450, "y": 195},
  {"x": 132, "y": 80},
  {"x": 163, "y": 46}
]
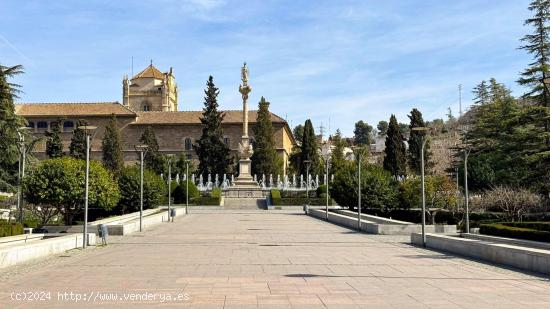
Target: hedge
[
  {"x": 499, "y": 229},
  {"x": 210, "y": 200},
  {"x": 539, "y": 226},
  {"x": 10, "y": 229}
]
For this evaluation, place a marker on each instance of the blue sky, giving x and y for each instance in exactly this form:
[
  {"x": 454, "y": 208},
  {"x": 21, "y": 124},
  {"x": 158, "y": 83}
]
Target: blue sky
[{"x": 339, "y": 60}]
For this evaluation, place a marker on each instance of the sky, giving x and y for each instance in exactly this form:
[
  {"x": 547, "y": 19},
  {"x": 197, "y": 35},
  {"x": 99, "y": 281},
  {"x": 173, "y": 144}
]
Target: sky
[{"x": 335, "y": 62}]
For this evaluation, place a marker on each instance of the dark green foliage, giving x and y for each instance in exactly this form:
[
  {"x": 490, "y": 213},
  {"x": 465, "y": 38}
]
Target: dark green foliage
[
  {"x": 112, "y": 148},
  {"x": 216, "y": 193},
  {"x": 298, "y": 132},
  {"x": 362, "y": 133},
  {"x": 499, "y": 229},
  {"x": 214, "y": 155},
  {"x": 264, "y": 160},
  {"x": 9, "y": 124},
  {"x": 10, "y": 228},
  {"x": 59, "y": 183},
  {"x": 77, "y": 148},
  {"x": 286, "y": 200},
  {"x": 337, "y": 160},
  {"x": 378, "y": 188},
  {"x": 309, "y": 151},
  {"x": 179, "y": 192},
  {"x": 481, "y": 94},
  {"x": 382, "y": 127},
  {"x": 322, "y": 189},
  {"x": 154, "y": 189},
  {"x": 54, "y": 146},
  {"x": 539, "y": 226},
  {"x": 395, "y": 158},
  {"x": 213, "y": 199},
  {"x": 153, "y": 159},
  {"x": 415, "y": 144}
]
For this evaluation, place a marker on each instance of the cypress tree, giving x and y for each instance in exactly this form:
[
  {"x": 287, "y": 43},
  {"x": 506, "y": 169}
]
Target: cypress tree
[
  {"x": 111, "y": 147},
  {"x": 264, "y": 159},
  {"x": 77, "y": 148},
  {"x": 153, "y": 160},
  {"x": 415, "y": 144},
  {"x": 214, "y": 155},
  {"x": 309, "y": 150},
  {"x": 54, "y": 146},
  {"x": 9, "y": 123},
  {"x": 395, "y": 158}
]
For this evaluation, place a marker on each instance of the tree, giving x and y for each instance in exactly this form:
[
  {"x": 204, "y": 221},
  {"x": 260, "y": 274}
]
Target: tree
[
  {"x": 440, "y": 194},
  {"x": 537, "y": 44},
  {"x": 264, "y": 160},
  {"x": 382, "y": 128},
  {"x": 415, "y": 144},
  {"x": 154, "y": 189},
  {"x": 395, "y": 158},
  {"x": 54, "y": 146},
  {"x": 309, "y": 151},
  {"x": 9, "y": 124},
  {"x": 59, "y": 182},
  {"x": 77, "y": 148},
  {"x": 378, "y": 187},
  {"x": 153, "y": 160},
  {"x": 337, "y": 159},
  {"x": 111, "y": 147},
  {"x": 214, "y": 155},
  {"x": 481, "y": 93},
  {"x": 363, "y": 133},
  {"x": 514, "y": 202},
  {"x": 298, "y": 132},
  {"x": 179, "y": 192}
]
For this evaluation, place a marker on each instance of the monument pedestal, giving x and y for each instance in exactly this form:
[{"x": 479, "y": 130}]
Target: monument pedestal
[{"x": 245, "y": 180}]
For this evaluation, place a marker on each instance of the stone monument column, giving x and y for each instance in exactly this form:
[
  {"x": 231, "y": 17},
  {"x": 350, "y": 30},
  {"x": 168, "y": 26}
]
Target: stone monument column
[{"x": 245, "y": 148}]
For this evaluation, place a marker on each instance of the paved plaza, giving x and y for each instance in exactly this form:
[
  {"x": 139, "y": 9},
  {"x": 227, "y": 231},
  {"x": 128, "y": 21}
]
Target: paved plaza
[{"x": 276, "y": 259}]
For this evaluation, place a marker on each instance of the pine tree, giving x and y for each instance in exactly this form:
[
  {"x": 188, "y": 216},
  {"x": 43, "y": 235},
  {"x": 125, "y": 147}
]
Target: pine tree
[
  {"x": 363, "y": 132},
  {"x": 395, "y": 157},
  {"x": 153, "y": 160},
  {"x": 265, "y": 159},
  {"x": 77, "y": 148},
  {"x": 309, "y": 151},
  {"x": 382, "y": 127},
  {"x": 538, "y": 44},
  {"x": 9, "y": 124},
  {"x": 214, "y": 155},
  {"x": 481, "y": 93},
  {"x": 415, "y": 144},
  {"x": 298, "y": 132},
  {"x": 111, "y": 147},
  {"x": 54, "y": 146}
]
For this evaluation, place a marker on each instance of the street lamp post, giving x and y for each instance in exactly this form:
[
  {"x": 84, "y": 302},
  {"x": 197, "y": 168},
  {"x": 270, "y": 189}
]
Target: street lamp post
[
  {"x": 170, "y": 156},
  {"x": 423, "y": 130},
  {"x": 88, "y": 130},
  {"x": 21, "y": 174},
  {"x": 359, "y": 158},
  {"x": 326, "y": 152},
  {"x": 142, "y": 149},
  {"x": 466, "y": 150},
  {"x": 187, "y": 187},
  {"x": 308, "y": 164}
]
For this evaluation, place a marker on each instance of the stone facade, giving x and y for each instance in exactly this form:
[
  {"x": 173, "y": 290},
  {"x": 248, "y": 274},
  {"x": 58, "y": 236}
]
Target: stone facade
[{"x": 151, "y": 90}]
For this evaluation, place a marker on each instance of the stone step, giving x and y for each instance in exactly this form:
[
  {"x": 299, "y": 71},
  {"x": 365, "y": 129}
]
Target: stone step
[{"x": 244, "y": 203}]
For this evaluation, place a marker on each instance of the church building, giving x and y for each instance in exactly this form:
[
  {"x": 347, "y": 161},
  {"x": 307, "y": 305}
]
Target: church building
[{"x": 149, "y": 99}]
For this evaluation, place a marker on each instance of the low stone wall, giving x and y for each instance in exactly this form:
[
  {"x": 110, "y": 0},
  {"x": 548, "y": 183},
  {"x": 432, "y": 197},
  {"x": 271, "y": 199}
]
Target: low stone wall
[
  {"x": 511, "y": 241},
  {"x": 24, "y": 252},
  {"x": 131, "y": 226},
  {"x": 19, "y": 239},
  {"x": 349, "y": 220},
  {"x": 530, "y": 259}
]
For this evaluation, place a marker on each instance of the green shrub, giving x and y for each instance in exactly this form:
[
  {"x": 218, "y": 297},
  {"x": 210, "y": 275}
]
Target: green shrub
[
  {"x": 179, "y": 193},
  {"x": 275, "y": 197},
  {"x": 216, "y": 193},
  {"x": 297, "y": 201},
  {"x": 154, "y": 189},
  {"x": 499, "y": 229},
  {"x": 539, "y": 226},
  {"x": 10, "y": 229},
  {"x": 322, "y": 189}
]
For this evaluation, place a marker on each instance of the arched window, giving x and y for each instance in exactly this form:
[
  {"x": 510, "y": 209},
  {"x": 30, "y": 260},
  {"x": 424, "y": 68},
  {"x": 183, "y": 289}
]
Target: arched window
[
  {"x": 188, "y": 144},
  {"x": 146, "y": 107},
  {"x": 68, "y": 125}
]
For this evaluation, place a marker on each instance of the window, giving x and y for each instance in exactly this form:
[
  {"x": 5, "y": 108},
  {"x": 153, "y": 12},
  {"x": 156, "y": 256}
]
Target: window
[
  {"x": 42, "y": 125},
  {"x": 146, "y": 107},
  {"x": 188, "y": 144},
  {"x": 189, "y": 157},
  {"x": 68, "y": 126},
  {"x": 226, "y": 141},
  {"x": 31, "y": 125}
]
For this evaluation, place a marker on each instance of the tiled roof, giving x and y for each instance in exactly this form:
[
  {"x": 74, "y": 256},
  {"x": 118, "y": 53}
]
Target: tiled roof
[
  {"x": 73, "y": 109},
  {"x": 150, "y": 72},
  {"x": 193, "y": 117}
]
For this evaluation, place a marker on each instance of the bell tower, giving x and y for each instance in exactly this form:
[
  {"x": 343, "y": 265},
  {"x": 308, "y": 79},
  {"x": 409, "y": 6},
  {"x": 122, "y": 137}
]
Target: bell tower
[{"x": 151, "y": 90}]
